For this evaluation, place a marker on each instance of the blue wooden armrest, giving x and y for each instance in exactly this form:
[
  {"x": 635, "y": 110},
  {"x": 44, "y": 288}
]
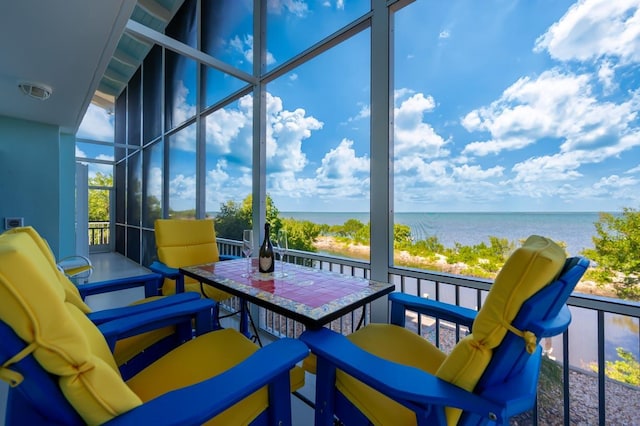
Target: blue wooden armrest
[
  {"x": 133, "y": 325},
  {"x": 151, "y": 283},
  {"x": 399, "y": 382},
  {"x": 401, "y": 302},
  {"x": 164, "y": 270},
  {"x": 553, "y": 326},
  {"x": 168, "y": 272},
  {"x": 204, "y": 400},
  {"x": 105, "y": 315},
  {"x": 229, "y": 257}
]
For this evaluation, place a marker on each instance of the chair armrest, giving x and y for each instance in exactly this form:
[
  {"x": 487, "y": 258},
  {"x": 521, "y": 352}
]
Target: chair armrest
[
  {"x": 164, "y": 270},
  {"x": 154, "y": 319},
  {"x": 168, "y": 272},
  {"x": 553, "y": 327},
  {"x": 401, "y": 302},
  {"x": 397, "y": 381},
  {"x": 229, "y": 257},
  {"x": 151, "y": 283},
  {"x": 106, "y": 315},
  {"x": 269, "y": 365},
  {"x": 75, "y": 265}
]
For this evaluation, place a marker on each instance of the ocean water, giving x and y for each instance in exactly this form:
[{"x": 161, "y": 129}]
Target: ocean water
[{"x": 574, "y": 229}]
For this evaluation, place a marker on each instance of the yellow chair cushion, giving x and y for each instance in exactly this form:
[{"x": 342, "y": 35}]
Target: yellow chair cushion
[
  {"x": 212, "y": 353},
  {"x": 182, "y": 242},
  {"x": 530, "y": 268},
  {"x": 186, "y": 242},
  {"x": 62, "y": 338},
  {"x": 125, "y": 349},
  {"x": 71, "y": 291},
  {"x": 395, "y": 344}
]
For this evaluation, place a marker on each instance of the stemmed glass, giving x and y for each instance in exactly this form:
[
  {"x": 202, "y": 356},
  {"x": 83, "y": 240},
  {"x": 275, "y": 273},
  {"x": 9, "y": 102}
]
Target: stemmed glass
[
  {"x": 247, "y": 248},
  {"x": 283, "y": 246}
]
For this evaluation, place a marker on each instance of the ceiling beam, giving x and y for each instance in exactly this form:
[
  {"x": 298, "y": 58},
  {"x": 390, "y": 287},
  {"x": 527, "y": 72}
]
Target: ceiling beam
[
  {"x": 146, "y": 33},
  {"x": 156, "y": 10}
]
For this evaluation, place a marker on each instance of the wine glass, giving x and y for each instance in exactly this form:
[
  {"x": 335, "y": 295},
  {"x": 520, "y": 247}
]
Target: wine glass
[
  {"x": 283, "y": 246},
  {"x": 247, "y": 248}
]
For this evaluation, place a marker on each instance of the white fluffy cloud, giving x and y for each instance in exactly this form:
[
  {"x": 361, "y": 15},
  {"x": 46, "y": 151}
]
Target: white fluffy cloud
[
  {"x": 244, "y": 46},
  {"x": 413, "y": 136},
  {"x": 97, "y": 124},
  {"x": 343, "y": 173},
  {"x": 296, "y": 7},
  {"x": 559, "y": 106},
  {"x": 592, "y": 29}
]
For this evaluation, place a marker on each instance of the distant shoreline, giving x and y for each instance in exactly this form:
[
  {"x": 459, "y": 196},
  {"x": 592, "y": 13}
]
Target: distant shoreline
[
  {"x": 575, "y": 229},
  {"x": 284, "y": 213},
  {"x": 331, "y": 245}
]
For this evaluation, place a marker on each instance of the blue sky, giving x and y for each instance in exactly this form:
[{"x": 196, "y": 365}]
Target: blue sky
[{"x": 499, "y": 106}]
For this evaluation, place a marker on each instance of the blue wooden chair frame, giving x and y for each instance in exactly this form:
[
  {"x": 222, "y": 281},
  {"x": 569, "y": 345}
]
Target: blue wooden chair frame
[
  {"x": 507, "y": 387},
  {"x": 39, "y": 400},
  {"x": 245, "y": 317},
  {"x": 151, "y": 283}
]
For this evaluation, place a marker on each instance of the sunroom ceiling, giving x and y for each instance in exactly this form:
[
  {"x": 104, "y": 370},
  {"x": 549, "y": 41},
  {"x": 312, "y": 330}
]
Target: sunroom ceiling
[
  {"x": 131, "y": 50},
  {"x": 78, "y": 50}
]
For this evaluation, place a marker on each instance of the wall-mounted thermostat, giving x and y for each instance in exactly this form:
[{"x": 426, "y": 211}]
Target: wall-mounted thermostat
[{"x": 13, "y": 222}]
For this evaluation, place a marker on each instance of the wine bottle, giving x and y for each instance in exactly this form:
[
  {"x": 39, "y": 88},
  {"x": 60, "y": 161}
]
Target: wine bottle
[{"x": 265, "y": 257}]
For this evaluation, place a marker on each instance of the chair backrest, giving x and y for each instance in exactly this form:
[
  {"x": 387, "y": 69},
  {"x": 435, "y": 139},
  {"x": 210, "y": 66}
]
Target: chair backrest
[
  {"x": 57, "y": 333},
  {"x": 72, "y": 294},
  {"x": 545, "y": 314},
  {"x": 35, "y": 397},
  {"x": 185, "y": 242},
  {"x": 182, "y": 242},
  {"x": 530, "y": 268}
]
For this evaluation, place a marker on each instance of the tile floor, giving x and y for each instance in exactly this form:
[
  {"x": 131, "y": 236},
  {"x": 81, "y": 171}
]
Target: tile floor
[{"x": 113, "y": 265}]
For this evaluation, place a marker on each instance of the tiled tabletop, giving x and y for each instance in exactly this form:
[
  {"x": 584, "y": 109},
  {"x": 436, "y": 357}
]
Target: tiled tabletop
[{"x": 311, "y": 296}]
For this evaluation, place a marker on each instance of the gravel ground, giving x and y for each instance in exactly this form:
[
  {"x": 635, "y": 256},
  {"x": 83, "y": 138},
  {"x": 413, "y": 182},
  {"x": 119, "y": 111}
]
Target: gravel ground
[{"x": 622, "y": 400}]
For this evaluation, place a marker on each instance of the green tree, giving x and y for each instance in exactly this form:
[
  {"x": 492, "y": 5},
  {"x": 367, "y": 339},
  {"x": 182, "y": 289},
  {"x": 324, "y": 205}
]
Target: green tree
[
  {"x": 231, "y": 221},
  {"x": 154, "y": 208},
  {"x": 301, "y": 234},
  {"x": 401, "y": 235},
  {"x": 234, "y": 217},
  {"x": 615, "y": 252},
  {"x": 626, "y": 369},
  {"x": 99, "y": 199}
]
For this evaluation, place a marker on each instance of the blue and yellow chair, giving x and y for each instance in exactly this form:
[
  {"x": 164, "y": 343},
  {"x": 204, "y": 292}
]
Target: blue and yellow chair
[
  {"x": 61, "y": 368},
  {"x": 135, "y": 352},
  {"x": 186, "y": 242},
  {"x": 384, "y": 374}
]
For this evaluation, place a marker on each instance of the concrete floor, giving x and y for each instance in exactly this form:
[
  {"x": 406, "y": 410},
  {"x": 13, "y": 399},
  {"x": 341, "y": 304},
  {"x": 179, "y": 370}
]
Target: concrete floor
[{"x": 113, "y": 265}]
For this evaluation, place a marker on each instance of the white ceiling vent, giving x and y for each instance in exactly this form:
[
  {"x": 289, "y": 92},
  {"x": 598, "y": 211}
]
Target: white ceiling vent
[{"x": 35, "y": 90}]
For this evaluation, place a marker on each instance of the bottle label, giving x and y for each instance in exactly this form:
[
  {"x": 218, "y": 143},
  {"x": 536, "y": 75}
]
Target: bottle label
[{"x": 265, "y": 263}]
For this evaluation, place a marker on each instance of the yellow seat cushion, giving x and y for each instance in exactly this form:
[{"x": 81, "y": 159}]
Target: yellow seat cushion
[
  {"x": 182, "y": 242},
  {"x": 395, "y": 344},
  {"x": 63, "y": 339},
  {"x": 212, "y": 354},
  {"x": 125, "y": 349}
]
